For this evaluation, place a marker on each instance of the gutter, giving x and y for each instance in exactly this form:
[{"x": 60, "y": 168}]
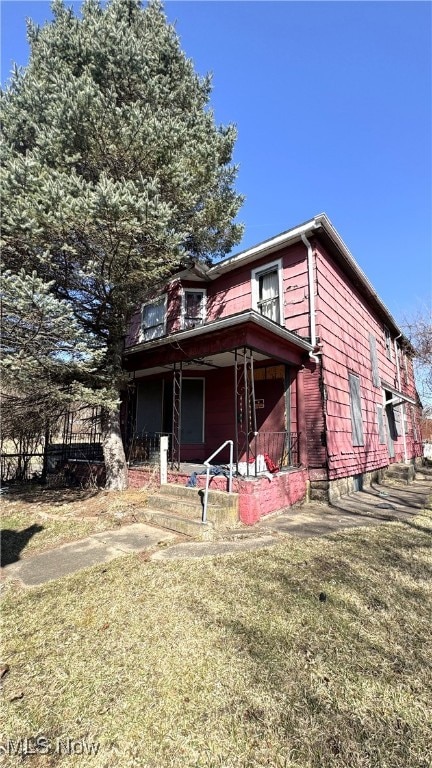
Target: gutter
[{"x": 312, "y": 319}]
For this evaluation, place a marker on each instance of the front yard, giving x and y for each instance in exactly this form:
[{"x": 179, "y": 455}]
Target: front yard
[{"x": 230, "y": 662}]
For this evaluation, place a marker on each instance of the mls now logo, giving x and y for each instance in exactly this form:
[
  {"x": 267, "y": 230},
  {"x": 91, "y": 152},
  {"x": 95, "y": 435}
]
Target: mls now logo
[
  {"x": 41, "y": 745},
  {"x": 76, "y": 747}
]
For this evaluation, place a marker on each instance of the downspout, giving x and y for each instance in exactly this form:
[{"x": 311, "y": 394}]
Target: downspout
[
  {"x": 313, "y": 354},
  {"x": 403, "y": 405}
]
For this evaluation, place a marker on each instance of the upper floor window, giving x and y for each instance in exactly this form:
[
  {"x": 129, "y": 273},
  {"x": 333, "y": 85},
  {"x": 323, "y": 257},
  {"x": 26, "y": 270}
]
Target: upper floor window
[
  {"x": 388, "y": 342},
  {"x": 153, "y": 319},
  {"x": 267, "y": 291},
  {"x": 193, "y": 307}
]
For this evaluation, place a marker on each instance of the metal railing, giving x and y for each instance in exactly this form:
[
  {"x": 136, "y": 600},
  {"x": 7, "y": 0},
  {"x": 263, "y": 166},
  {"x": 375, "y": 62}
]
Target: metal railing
[
  {"x": 279, "y": 449},
  {"x": 145, "y": 448},
  {"x": 207, "y": 465}
]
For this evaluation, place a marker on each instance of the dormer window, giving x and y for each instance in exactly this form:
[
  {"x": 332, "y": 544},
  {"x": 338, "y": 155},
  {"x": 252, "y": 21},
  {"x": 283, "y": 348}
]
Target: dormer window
[
  {"x": 153, "y": 319},
  {"x": 193, "y": 307},
  {"x": 267, "y": 291}
]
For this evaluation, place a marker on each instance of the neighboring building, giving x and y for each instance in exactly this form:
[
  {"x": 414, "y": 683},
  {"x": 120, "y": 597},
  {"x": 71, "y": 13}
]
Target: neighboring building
[{"x": 287, "y": 350}]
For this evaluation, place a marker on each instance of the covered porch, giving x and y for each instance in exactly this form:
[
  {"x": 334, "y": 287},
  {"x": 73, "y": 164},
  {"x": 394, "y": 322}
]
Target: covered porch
[{"x": 232, "y": 379}]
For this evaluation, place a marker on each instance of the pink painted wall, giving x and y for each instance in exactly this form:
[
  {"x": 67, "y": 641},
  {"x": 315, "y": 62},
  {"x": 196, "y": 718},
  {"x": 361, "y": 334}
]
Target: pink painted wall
[
  {"x": 262, "y": 496},
  {"x": 257, "y": 498},
  {"x": 344, "y": 321},
  {"x": 232, "y": 293}
]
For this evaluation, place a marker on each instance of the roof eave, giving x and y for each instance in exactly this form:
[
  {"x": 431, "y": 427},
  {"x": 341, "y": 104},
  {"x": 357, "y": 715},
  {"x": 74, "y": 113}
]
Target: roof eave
[{"x": 217, "y": 325}]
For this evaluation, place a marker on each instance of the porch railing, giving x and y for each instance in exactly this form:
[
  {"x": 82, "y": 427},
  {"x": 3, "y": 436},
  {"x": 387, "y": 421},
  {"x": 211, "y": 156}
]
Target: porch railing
[
  {"x": 278, "y": 449},
  {"x": 145, "y": 448}
]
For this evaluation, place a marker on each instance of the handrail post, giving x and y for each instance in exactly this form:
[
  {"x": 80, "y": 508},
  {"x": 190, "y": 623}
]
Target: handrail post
[{"x": 207, "y": 464}]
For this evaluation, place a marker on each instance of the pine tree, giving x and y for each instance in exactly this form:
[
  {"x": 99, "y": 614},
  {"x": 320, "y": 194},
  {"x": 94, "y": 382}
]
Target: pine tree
[{"x": 113, "y": 173}]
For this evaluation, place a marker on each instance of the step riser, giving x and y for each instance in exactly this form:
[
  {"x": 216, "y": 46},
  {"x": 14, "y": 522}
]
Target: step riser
[
  {"x": 218, "y": 516},
  {"x": 221, "y": 498},
  {"x": 191, "y": 528},
  {"x": 176, "y": 505}
]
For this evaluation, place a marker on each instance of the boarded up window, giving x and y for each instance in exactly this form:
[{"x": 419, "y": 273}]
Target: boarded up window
[
  {"x": 381, "y": 429},
  {"x": 374, "y": 361},
  {"x": 356, "y": 414},
  {"x": 397, "y": 418}
]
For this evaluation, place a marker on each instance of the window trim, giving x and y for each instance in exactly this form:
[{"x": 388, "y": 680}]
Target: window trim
[
  {"x": 273, "y": 266},
  {"x": 184, "y": 291},
  {"x": 157, "y": 300}
]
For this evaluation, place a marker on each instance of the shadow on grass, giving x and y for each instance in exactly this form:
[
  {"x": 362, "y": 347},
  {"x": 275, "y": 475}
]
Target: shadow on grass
[
  {"x": 28, "y": 494},
  {"x": 13, "y": 543}
]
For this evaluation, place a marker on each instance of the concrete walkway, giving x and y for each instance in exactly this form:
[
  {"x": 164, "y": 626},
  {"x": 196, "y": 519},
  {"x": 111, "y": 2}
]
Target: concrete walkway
[
  {"x": 99, "y": 548},
  {"x": 377, "y": 504}
]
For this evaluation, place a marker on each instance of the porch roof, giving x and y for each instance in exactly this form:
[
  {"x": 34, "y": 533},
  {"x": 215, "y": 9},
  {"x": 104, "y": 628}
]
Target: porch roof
[
  {"x": 210, "y": 346},
  {"x": 400, "y": 396}
]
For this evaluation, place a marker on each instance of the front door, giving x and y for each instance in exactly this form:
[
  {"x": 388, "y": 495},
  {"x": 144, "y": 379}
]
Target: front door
[
  {"x": 192, "y": 410},
  {"x": 272, "y": 413}
]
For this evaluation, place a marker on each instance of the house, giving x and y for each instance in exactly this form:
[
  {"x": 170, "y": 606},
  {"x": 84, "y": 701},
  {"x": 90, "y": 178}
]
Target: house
[{"x": 285, "y": 349}]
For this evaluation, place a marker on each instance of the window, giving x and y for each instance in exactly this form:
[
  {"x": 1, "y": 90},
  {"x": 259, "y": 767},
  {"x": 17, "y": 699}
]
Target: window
[
  {"x": 193, "y": 308},
  {"x": 153, "y": 319},
  {"x": 267, "y": 291},
  {"x": 381, "y": 429},
  {"x": 374, "y": 361},
  {"x": 388, "y": 343},
  {"x": 356, "y": 414}
]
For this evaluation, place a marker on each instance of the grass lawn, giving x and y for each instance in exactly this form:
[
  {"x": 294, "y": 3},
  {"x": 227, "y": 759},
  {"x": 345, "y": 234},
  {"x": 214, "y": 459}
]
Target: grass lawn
[
  {"x": 61, "y": 515},
  {"x": 231, "y": 662}
]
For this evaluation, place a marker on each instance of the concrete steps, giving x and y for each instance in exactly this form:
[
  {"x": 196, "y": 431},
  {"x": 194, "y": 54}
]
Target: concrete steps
[
  {"x": 188, "y": 527},
  {"x": 400, "y": 473},
  {"x": 319, "y": 490},
  {"x": 180, "y": 509}
]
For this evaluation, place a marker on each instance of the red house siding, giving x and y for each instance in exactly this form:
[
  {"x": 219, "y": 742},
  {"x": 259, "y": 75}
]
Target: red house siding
[
  {"x": 344, "y": 322},
  {"x": 318, "y": 405}
]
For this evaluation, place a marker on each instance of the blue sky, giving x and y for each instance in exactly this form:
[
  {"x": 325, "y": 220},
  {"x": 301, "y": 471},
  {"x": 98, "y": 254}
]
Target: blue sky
[{"x": 333, "y": 105}]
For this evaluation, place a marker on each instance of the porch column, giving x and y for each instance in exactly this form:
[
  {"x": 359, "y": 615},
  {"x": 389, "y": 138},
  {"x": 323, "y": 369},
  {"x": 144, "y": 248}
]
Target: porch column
[
  {"x": 301, "y": 419},
  {"x": 176, "y": 415}
]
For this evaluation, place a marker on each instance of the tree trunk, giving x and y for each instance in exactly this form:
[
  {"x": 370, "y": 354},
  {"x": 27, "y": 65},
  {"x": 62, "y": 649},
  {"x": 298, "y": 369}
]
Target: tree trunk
[{"x": 113, "y": 451}]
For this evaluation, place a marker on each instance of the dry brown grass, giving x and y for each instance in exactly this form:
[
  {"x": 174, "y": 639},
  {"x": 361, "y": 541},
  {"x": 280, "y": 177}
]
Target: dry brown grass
[
  {"x": 64, "y": 515},
  {"x": 233, "y": 662}
]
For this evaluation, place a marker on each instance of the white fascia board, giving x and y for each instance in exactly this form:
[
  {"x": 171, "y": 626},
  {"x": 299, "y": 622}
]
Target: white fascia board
[
  {"x": 293, "y": 235},
  {"x": 257, "y": 251},
  {"x": 218, "y": 325}
]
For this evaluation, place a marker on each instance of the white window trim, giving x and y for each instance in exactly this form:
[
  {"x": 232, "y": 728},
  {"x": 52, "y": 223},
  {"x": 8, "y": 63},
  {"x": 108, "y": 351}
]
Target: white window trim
[
  {"x": 272, "y": 266},
  {"x": 184, "y": 291},
  {"x": 149, "y": 304}
]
